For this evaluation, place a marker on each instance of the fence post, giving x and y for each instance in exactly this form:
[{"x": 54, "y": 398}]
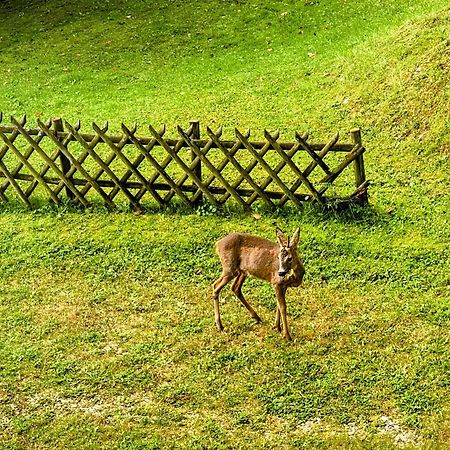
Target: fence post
[
  {"x": 197, "y": 169},
  {"x": 65, "y": 163},
  {"x": 358, "y": 165}
]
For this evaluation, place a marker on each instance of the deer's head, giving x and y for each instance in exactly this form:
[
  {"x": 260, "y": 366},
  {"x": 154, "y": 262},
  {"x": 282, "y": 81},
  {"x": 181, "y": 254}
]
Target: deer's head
[{"x": 288, "y": 257}]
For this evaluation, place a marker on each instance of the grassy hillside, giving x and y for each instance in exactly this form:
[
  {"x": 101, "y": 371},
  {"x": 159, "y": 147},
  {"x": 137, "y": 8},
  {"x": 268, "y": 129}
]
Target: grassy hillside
[
  {"x": 107, "y": 336},
  {"x": 403, "y": 87},
  {"x": 237, "y": 63}
]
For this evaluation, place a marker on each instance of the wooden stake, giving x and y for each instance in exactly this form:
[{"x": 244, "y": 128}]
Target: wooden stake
[
  {"x": 58, "y": 126},
  {"x": 197, "y": 169},
  {"x": 358, "y": 164}
]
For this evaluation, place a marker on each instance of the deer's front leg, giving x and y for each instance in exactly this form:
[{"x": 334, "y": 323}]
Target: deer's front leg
[
  {"x": 277, "y": 325},
  {"x": 280, "y": 292}
]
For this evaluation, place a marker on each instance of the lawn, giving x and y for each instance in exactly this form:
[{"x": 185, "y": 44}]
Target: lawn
[{"x": 107, "y": 337}]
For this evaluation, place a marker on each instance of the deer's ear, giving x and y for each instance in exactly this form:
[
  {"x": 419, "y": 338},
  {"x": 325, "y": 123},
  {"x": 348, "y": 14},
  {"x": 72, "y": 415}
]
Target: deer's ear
[
  {"x": 282, "y": 240},
  {"x": 295, "y": 238}
]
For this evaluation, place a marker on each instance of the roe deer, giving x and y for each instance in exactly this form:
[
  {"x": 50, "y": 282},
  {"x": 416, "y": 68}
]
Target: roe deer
[{"x": 242, "y": 254}]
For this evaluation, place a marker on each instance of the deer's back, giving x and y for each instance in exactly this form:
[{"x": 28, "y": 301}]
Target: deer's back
[{"x": 247, "y": 253}]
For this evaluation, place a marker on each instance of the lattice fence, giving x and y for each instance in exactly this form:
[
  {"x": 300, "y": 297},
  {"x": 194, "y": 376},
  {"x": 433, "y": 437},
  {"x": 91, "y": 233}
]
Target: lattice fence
[{"x": 57, "y": 160}]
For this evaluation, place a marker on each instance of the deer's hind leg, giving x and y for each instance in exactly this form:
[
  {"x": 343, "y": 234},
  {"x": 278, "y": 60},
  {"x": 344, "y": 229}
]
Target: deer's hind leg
[
  {"x": 217, "y": 287},
  {"x": 237, "y": 290}
]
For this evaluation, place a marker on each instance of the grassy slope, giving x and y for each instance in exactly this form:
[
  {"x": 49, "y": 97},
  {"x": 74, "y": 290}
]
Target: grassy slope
[
  {"x": 175, "y": 62},
  {"x": 107, "y": 330}
]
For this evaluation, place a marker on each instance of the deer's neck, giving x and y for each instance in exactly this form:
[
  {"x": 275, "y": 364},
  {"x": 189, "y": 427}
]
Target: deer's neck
[{"x": 296, "y": 277}]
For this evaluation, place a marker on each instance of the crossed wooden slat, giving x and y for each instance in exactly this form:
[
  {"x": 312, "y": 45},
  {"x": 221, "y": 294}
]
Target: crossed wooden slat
[
  {"x": 159, "y": 168},
  {"x": 267, "y": 168},
  {"x": 76, "y": 164},
  {"x": 120, "y": 145},
  {"x": 212, "y": 169},
  {"x": 53, "y": 157},
  {"x": 221, "y": 166},
  {"x": 50, "y": 163},
  {"x": 10, "y": 180},
  {"x": 135, "y": 164},
  {"x": 245, "y": 175},
  {"x": 278, "y": 168},
  {"x": 301, "y": 176},
  {"x": 25, "y": 163},
  {"x": 312, "y": 165},
  {"x": 105, "y": 167},
  {"x": 190, "y": 172},
  {"x": 349, "y": 157},
  {"x": 135, "y": 171},
  {"x": 28, "y": 152},
  {"x": 194, "y": 163},
  {"x": 79, "y": 161}
]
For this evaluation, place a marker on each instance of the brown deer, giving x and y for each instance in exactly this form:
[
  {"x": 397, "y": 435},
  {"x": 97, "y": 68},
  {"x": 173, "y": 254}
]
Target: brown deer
[{"x": 242, "y": 254}]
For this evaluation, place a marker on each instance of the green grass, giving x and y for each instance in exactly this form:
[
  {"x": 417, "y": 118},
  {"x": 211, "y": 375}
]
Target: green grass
[
  {"x": 107, "y": 324},
  {"x": 107, "y": 336}
]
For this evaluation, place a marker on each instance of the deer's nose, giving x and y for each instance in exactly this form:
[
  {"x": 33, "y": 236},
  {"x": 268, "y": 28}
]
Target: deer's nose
[{"x": 282, "y": 273}]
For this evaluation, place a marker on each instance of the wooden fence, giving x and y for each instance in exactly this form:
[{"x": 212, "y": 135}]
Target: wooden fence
[{"x": 57, "y": 160}]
